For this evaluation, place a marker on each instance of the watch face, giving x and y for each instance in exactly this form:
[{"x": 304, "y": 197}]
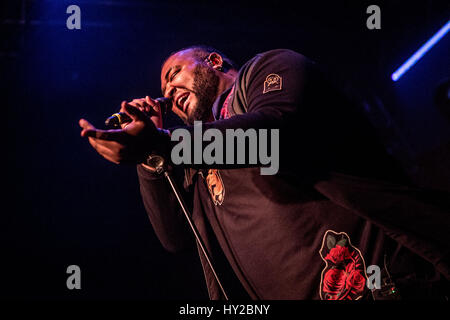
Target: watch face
[{"x": 156, "y": 162}]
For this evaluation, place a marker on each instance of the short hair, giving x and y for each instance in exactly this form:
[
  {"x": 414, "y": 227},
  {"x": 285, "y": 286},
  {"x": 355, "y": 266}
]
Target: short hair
[{"x": 201, "y": 52}]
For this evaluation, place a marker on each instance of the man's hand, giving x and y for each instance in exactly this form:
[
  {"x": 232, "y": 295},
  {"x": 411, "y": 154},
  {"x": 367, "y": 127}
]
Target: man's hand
[
  {"x": 151, "y": 107},
  {"x": 131, "y": 144}
]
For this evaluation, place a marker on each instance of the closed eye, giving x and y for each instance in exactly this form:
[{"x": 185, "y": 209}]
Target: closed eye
[{"x": 173, "y": 75}]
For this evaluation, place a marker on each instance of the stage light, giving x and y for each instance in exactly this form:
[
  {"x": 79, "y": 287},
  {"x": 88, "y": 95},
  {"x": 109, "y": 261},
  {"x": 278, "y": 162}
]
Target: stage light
[{"x": 419, "y": 53}]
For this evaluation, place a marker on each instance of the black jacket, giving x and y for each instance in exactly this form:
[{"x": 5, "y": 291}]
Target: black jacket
[{"x": 335, "y": 207}]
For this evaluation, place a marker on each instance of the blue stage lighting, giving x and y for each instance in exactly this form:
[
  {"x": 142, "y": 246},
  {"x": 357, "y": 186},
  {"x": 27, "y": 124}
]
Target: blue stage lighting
[{"x": 419, "y": 53}]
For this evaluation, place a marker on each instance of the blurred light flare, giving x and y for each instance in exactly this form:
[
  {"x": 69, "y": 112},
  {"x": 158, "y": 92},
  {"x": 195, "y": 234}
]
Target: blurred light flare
[{"x": 420, "y": 53}]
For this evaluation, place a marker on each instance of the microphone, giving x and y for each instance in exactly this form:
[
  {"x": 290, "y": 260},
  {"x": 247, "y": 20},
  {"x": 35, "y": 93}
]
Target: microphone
[{"x": 119, "y": 118}]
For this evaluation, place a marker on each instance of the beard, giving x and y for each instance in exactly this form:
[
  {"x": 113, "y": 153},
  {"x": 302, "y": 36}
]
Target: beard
[{"x": 206, "y": 86}]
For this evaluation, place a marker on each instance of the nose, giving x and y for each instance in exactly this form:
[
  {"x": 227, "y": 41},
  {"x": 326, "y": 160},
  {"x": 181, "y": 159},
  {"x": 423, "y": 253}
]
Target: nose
[{"x": 170, "y": 91}]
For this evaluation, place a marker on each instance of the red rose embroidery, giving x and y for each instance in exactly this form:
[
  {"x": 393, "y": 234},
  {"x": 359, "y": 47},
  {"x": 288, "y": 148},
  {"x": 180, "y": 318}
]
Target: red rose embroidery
[
  {"x": 344, "y": 274},
  {"x": 334, "y": 283},
  {"x": 338, "y": 254},
  {"x": 355, "y": 281}
]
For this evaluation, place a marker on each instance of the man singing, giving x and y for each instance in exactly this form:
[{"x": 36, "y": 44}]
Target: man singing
[{"x": 336, "y": 212}]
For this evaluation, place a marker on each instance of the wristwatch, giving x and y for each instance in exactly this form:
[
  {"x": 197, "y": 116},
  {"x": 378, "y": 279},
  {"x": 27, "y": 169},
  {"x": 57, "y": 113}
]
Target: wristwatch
[{"x": 156, "y": 162}]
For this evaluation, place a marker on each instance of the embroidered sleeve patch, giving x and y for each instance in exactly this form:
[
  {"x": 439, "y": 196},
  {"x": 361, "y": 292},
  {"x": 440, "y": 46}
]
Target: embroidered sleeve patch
[
  {"x": 273, "y": 82},
  {"x": 344, "y": 276}
]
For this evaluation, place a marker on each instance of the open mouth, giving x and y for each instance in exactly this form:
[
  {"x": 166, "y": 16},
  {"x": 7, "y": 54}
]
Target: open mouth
[{"x": 182, "y": 101}]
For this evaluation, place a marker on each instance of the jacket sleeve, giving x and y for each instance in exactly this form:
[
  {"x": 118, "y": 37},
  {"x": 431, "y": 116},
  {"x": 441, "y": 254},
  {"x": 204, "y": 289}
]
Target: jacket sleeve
[
  {"x": 415, "y": 217},
  {"x": 164, "y": 210}
]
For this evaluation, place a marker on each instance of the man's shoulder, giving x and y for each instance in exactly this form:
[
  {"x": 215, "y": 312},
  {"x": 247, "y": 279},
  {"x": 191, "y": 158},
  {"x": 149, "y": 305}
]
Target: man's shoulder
[
  {"x": 275, "y": 57},
  {"x": 262, "y": 71},
  {"x": 280, "y": 55},
  {"x": 279, "y": 51}
]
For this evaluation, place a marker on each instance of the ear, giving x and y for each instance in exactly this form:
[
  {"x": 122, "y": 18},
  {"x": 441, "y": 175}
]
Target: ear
[{"x": 215, "y": 60}]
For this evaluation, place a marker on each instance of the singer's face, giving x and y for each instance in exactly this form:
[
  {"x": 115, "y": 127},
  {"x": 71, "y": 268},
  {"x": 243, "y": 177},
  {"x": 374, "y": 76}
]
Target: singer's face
[{"x": 191, "y": 84}]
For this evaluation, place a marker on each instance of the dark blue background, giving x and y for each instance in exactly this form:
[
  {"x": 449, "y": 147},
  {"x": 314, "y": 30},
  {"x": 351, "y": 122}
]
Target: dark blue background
[{"x": 63, "y": 204}]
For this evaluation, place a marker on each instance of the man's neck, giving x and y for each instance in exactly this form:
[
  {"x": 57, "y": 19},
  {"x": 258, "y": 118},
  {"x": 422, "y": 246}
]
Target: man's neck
[{"x": 227, "y": 81}]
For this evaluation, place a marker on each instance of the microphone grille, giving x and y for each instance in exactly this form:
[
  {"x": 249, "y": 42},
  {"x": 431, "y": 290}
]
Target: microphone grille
[{"x": 166, "y": 104}]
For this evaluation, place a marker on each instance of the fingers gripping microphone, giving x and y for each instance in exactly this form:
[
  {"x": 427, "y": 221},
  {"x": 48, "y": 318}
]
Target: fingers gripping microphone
[{"x": 119, "y": 118}]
